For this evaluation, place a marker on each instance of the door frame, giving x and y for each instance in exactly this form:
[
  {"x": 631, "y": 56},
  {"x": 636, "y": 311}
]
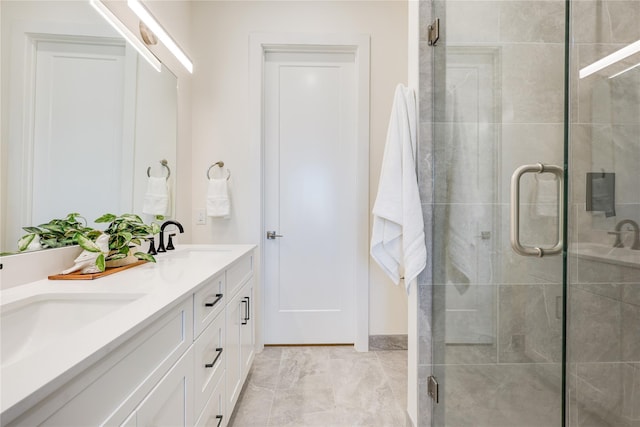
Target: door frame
[{"x": 359, "y": 44}]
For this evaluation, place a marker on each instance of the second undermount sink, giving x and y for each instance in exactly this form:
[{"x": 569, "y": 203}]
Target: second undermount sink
[
  {"x": 32, "y": 323},
  {"x": 198, "y": 251}
]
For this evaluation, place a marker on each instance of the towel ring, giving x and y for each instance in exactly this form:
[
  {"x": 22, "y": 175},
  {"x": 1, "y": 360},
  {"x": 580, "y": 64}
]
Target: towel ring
[
  {"x": 220, "y": 164},
  {"x": 164, "y": 163}
]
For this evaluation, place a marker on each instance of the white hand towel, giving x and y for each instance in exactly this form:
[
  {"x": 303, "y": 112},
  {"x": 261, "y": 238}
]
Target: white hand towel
[
  {"x": 218, "y": 202},
  {"x": 397, "y": 241},
  {"x": 156, "y": 199}
]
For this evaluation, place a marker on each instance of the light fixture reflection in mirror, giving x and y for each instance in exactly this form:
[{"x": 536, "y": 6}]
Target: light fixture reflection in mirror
[
  {"x": 157, "y": 29},
  {"x": 127, "y": 34},
  {"x": 617, "y": 56}
]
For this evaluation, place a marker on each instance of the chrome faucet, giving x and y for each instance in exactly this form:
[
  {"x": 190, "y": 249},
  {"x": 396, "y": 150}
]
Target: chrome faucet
[
  {"x": 618, "y": 233},
  {"x": 161, "y": 247}
]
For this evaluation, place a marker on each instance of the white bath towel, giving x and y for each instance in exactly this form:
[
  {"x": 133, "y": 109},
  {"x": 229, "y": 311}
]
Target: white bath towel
[
  {"x": 218, "y": 202},
  {"x": 156, "y": 199},
  {"x": 397, "y": 241}
]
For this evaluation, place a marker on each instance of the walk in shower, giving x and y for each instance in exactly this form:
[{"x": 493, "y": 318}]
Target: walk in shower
[{"x": 530, "y": 158}]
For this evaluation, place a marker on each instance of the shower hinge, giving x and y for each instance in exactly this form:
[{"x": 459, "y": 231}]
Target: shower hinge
[
  {"x": 432, "y": 388},
  {"x": 434, "y": 32}
]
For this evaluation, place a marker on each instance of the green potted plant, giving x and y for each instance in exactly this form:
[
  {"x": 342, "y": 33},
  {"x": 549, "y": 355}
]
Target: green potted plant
[
  {"x": 126, "y": 232},
  {"x": 57, "y": 233}
]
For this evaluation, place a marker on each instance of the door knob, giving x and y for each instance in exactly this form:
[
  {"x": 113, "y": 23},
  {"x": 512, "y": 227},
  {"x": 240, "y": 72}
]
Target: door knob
[{"x": 272, "y": 235}]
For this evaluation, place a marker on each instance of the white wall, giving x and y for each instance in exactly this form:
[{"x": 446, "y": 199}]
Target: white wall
[{"x": 220, "y": 109}]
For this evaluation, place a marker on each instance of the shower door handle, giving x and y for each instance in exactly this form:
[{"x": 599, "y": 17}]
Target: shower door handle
[{"x": 515, "y": 210}]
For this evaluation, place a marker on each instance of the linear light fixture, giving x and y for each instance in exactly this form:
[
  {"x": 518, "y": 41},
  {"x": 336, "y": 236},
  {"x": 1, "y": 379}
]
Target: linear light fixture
[
  {"x": 625, "y": 70},
  {"x": 155, "y": 27},
  {"x": 616, "y": 56},
  {"x": 126, "y": 33}
]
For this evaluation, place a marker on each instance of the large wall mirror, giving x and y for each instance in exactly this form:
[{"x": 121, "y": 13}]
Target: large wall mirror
[{"x": 85, "y": 120}]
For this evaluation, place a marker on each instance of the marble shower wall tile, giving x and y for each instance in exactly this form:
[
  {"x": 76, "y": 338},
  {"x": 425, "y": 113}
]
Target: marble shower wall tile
[
  {"x": 532, "y": 21},
  {"x": 595, "y": 323},
  {"x": 605, "y": 21},
  {"x": 501, "y": 395},
  {"x": 533, "y": 83},
  {"x": 473, "y": 21},
  {"x": 600, "y": 395}
]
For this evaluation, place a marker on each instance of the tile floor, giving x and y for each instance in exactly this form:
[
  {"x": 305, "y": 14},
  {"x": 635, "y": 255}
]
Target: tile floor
[{"x": 332, "y": 386}]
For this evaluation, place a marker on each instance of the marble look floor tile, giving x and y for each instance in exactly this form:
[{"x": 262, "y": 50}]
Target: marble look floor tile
[
  {"x": 253, "y": 407},
  {"x": 394, "y": 366},
  {"x": 329, "y": 386},
  {"x": 291, "y": 407},
  {"x": 304, "y": 367}
]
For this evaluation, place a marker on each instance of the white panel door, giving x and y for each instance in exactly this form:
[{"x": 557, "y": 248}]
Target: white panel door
[
  {"x": 310, "y": 137},
  {"x": 78, "y": 130}
]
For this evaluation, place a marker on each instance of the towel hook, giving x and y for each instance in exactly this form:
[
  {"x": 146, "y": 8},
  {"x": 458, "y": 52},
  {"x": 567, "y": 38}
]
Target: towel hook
[
  {"x": 220, "y": 164},
  {"x": 164, "y": 163}
]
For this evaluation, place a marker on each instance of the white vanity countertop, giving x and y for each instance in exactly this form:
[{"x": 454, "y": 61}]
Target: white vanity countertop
[{"x": 156, "y": 287}]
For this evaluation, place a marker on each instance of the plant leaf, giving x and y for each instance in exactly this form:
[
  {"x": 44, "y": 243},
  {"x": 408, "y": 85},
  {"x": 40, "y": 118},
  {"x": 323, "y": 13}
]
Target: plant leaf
[
  {"x": 155, "y": 229},
  {"x": 117, "y": 255},
  {"x": 25, "y": 241},
  {"x": 56, "y": 228},
  {"x": 132, "y": 217},
  {"x": 145, "y": 257},
  {"x": 106, "y": 218},
  {"x": 86, "y": 243},
  {"x": 93, "y": 234},
  {"x": 100, "y": 262},
  {"x": 34, "y": 230},
  {"x": 50, "y": 243}
]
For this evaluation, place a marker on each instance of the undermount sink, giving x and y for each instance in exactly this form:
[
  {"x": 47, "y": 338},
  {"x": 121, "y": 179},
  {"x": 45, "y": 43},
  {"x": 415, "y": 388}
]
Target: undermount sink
[
  {"x": 193, "y": 251},
  {"x": 32, "y": 323},
  {"x": 607, "y": 253}
]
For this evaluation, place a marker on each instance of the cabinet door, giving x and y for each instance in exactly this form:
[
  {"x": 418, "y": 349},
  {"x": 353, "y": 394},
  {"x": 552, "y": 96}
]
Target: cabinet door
[
  {"x": 210, "y": 355},
  {"x": 170, "y": 403},
  {"x": 235, "y": 315},
  {"x": 247, "y": 327},
  {"x": 214, "y": 414}
]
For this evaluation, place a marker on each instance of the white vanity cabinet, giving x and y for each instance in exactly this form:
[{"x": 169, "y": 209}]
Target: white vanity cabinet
[
  {"x": 185, "y": 368},
  {"x": 108, "y": 392}
]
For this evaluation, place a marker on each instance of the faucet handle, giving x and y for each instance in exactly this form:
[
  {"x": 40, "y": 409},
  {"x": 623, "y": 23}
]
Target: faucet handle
[
  {"x": 170, "y": 244},
  {"x": 152, "y": 247}
]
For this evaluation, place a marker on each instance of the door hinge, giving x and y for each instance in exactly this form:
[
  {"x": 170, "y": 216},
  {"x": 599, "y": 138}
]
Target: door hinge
[
  {"x": 434, "y": 32},
  {"x": 432, "y": 389}
]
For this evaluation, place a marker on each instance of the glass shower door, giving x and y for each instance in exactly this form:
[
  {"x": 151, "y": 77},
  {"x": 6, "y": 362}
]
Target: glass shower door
[
  {"x": 499, "y": 103},
  {"x": 603, "y": 370}
]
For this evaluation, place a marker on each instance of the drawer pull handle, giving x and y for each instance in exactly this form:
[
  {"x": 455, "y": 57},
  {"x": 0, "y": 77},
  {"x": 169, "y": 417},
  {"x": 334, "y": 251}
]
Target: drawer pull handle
[
  {"x": 246, "y": 317},
  {"x": 215, "y": 301},
  {"x": 210, "y": 365},
  {"x": 219, "y": 418}
]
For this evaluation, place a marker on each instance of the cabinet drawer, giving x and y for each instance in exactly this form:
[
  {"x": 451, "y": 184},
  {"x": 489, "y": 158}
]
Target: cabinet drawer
[
  {"x": 208, "y": 302},
  {"x": 109, "y": 391},
  {"x": 238, "y": 274},
  {"x": 209, "y": 360},
  {"x": 214, "y": 413}
]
